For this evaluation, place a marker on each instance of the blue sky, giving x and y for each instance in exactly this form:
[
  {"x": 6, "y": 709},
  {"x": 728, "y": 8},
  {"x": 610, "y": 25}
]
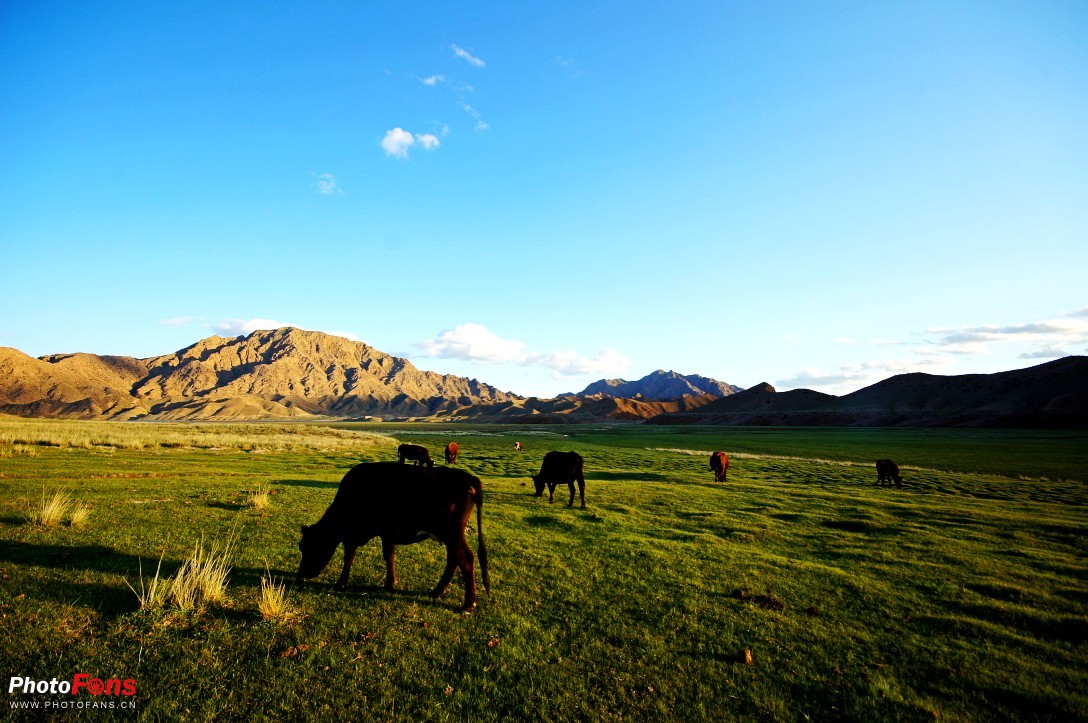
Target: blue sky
[{"x": 540, "y": 195}]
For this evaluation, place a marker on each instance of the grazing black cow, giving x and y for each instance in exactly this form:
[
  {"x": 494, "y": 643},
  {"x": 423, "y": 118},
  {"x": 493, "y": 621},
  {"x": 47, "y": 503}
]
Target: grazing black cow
[
  {"x": 560, "y": 468},
  {"x": 719, "y": 464},
  {"x": 414, "y": 452},
  {"x": 887, "y": 472},
  {"x": 402, "y": 505},
  {"x": 451, "y": 453}
]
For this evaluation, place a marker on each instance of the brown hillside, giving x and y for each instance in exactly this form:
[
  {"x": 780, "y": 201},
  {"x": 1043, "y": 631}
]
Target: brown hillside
[
  {"x": 73, "y": 385},
  {"x": 282, "y": 373}
]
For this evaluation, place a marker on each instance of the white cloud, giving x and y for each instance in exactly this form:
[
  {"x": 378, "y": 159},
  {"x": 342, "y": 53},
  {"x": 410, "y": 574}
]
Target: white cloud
[
  {"x": 607, "y": 363},
  {"x": 397, "y": 142},
  {"x": 471, "y": 59},
  {"x": 472, "y": 342},
  {"x": 476, "y": 343},
  {"x": 433, "y": 80},
  {"x": 326, "y": 185},
  {"x": 1045, "y": 353},
  {"x": 429, "y": 141},
  {"x": 845, "y": 340},
  {"x": 239, "y": 327}
]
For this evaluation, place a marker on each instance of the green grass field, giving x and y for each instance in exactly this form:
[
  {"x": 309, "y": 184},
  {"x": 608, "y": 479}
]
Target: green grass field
[{"x": 963, "y": 596}]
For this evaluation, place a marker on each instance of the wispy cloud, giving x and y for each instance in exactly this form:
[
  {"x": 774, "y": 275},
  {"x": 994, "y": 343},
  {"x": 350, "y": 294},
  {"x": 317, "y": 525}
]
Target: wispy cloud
[
  {"x": 568, "y": 65},
  {"x": 398, "y": 141},
  {"x": 433, "y": 80},
  {"x": 467, "y": 56},
  {"x": 239, "y": 327},
  {"x": 326, "y": 185},
  {"x": 848, "y": 377},
  {"x": 1047, "y": 335},
  {"x": 476, "y": 343},
  {"x": 481, "y": 124}
]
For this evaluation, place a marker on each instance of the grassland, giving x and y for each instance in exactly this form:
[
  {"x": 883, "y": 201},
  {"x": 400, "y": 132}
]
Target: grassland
[{"x": 963, "y": 596}]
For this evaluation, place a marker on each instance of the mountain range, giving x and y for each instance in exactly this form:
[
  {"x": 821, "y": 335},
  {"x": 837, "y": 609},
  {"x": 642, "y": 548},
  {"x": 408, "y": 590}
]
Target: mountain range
[
  {"x": 1054, "y": 394},
  {"x": 659, "y": 386},
  {"x": 290, "y": 373}
]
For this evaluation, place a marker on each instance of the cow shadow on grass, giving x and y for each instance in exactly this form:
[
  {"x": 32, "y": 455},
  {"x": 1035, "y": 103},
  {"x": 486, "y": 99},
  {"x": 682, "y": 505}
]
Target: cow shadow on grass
[
  {"x": 61, "y": 563},
  {"x": 312, "y": 483},
  {"x": 376, "y": 592}
]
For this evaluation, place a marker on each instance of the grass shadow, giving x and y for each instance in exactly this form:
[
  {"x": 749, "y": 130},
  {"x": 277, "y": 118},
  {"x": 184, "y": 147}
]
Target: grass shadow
[{"x": 229, "y": 506}]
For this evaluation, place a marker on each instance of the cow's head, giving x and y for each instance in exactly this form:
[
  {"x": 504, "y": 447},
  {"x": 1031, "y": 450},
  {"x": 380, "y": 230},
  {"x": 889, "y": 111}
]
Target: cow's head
[
  {"x": 317, "y": 547},
  {"x": 538, "y": 483}
]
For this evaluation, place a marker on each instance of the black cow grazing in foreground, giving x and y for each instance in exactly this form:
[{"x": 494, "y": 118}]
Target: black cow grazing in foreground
[
  {"x": 887, "y": 472},
  {"x": 560, "y": 468},
  {"x": 451, "y": 453},
  {"x": 414, "y": 452},
  {"x": 402, "y": 505},
  {"x": 719, "y": 464}
]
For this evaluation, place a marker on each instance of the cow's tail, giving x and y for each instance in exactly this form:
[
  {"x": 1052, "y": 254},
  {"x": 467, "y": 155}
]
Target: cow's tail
[{"x": 481, "y": 550}]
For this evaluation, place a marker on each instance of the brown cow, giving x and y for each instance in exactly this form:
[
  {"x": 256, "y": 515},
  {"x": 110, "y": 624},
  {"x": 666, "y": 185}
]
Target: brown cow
[
  {"x": 560, "y": 468},
  {"x": 517, "y": 446},
  {"x": 402, "y": 505},
  {"x": 419, "y": 455},
  {"x": 719, "y": 464},
  {"x": 451, "y": 453},
  {"x": 887, "y": 472}
]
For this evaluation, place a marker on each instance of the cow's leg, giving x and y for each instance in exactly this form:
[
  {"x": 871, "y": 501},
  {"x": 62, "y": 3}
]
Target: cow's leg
[
  {"x": 551, "y": 492},
  {"x": 452, "y": 562},
  {"x": 388, "y": 550},
  {"x": 571, "y": 503},
  {"x": 468, "y": 576},
  {"x": 349, "y": 558},
  {"x": 459, "y": 555},
  {"x": 582, "y": 492}
]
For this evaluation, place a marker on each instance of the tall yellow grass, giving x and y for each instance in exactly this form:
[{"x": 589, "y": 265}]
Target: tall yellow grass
[
  {"x": 52, "y": 511},
  {"x": 273, "y": 604},
  {"x": 23, "y": 436},
  {"x": 259, "y": 498},
  {"x": 201, "y": 580}
]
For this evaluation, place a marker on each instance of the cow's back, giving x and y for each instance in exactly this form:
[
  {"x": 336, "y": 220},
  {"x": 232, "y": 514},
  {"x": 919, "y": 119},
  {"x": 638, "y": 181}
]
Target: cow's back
[
  {"x": 381, "y": 496},
  {"x": 561, "y": 464}
]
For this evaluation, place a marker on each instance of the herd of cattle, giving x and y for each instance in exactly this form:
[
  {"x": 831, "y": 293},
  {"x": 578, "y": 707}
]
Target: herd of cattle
[{"x": 403, "y": 504}]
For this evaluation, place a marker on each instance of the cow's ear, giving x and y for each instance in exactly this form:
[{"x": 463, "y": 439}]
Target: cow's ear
[{"x": 305, "y": 529}]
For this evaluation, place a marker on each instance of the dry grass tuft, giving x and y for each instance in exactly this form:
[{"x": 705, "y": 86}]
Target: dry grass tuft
[
  {"x": 78, "y": 515},
  {"x": 53, "y": 511},
  {"x": 201, "y": 579},
  {"x": 273, "y": 603},
  {"x": 259, "y": 498}
]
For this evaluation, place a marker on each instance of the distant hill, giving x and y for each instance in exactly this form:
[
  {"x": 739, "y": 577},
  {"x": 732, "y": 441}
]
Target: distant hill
[
  {"x": 282, "y": 373},
  {"x": 290, "y": 373},
  {"x": 1054, "y": 394},
  {"x": 659, "y": 386}
]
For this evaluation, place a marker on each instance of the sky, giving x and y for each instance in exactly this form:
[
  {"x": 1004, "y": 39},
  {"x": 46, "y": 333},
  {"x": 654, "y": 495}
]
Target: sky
[{"x": 540, "y": 195}]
